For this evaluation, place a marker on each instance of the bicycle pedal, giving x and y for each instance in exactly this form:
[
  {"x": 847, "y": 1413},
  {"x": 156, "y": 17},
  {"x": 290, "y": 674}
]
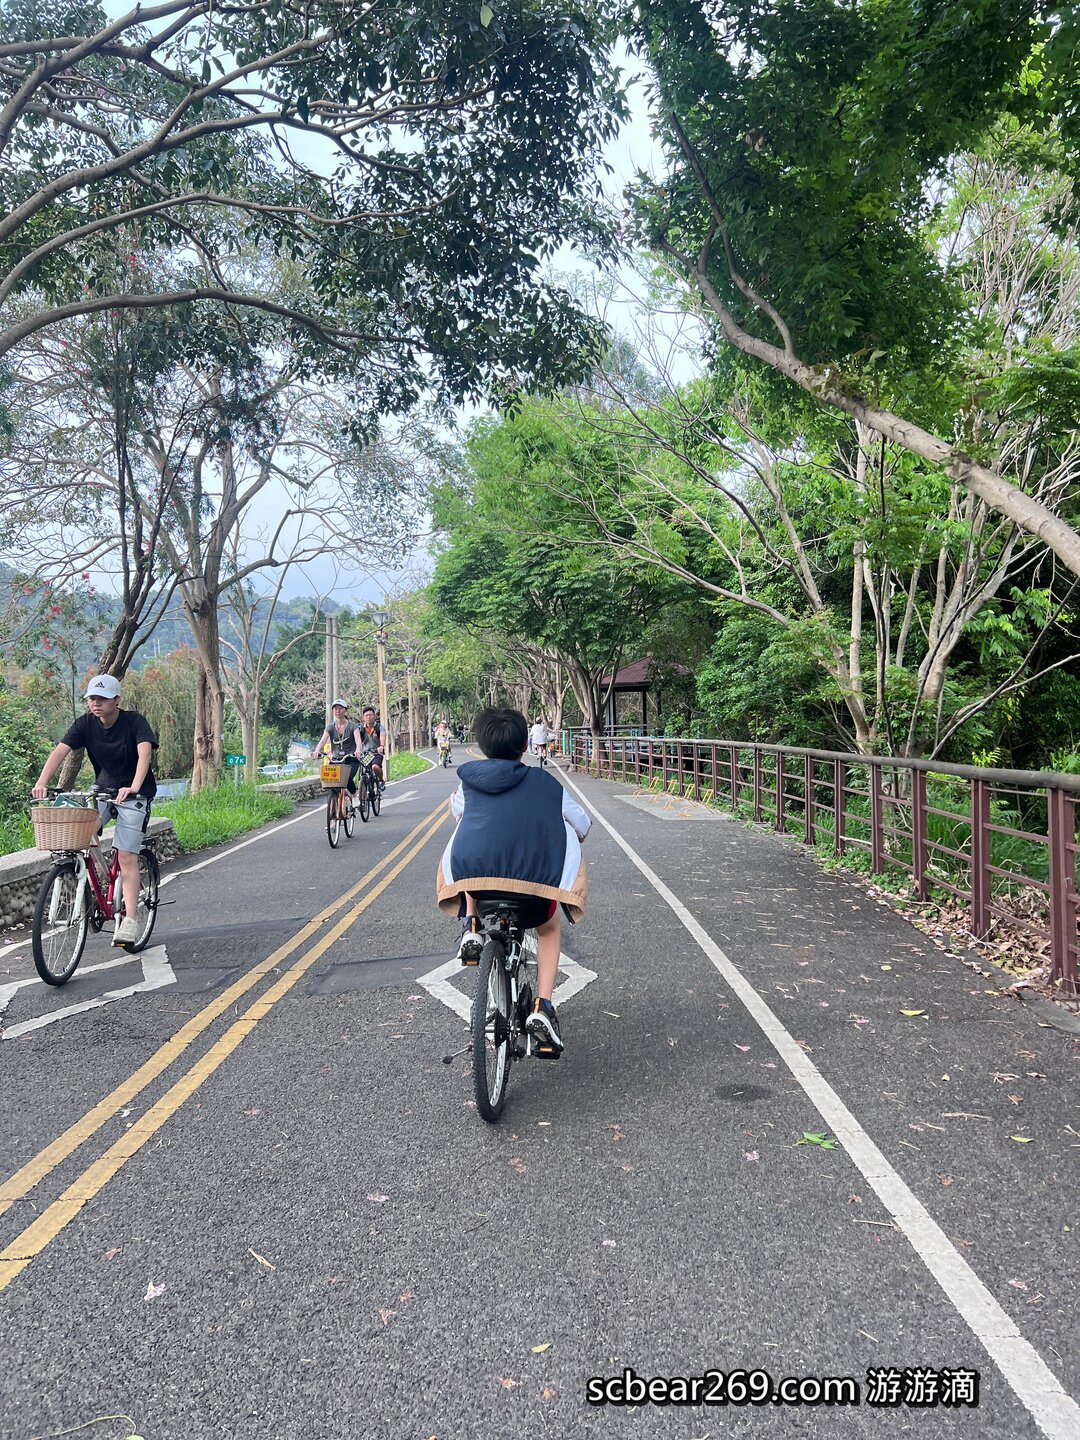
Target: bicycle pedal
[
  {"x": 543, "y": 1050},
  {"x": 467, "y": 964}
]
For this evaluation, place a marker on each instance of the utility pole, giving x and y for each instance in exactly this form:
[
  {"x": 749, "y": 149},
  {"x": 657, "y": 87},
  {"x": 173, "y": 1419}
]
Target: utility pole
[
  {"x": 330, "y": 693},
  {"x": 410, "y": 666},
  {"x": 380, "y": 618}
]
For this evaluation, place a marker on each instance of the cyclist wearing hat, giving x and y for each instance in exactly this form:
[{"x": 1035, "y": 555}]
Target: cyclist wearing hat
[
  {"x": 343, "y": 737},
  {"x": 120, "y": 744}
]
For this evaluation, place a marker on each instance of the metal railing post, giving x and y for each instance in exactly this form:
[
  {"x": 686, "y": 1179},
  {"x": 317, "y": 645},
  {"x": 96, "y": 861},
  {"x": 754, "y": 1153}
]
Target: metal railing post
[
  {"x": 839, "y": 807},
  {"x": 808, "y": 798},
  {"x": 1061, "y": 841},
  {"x": 734, "y": 778},
  {"x": 877, "y": 834},
  {"x": 980, "y": 857},
  {"x": 919, "y": 819},
  {"x": 780, "y": 776},
  {"x": 757, "y": 786}
]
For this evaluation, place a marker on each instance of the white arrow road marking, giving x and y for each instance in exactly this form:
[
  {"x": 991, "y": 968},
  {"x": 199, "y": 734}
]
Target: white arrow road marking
[
  {"x": 157, "y": 972},
  {"x": 437, "y": 984}
]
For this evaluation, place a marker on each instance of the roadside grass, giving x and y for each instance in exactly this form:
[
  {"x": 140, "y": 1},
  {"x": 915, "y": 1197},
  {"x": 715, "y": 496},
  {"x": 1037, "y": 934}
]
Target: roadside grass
[
  {"x": 221, "y": 813},
  {"x": 404, "y": 763},
  {"x": 16, "y": 833}
]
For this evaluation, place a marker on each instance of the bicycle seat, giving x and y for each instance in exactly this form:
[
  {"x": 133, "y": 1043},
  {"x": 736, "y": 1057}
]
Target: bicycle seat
[{"x": 489, "y": 904}]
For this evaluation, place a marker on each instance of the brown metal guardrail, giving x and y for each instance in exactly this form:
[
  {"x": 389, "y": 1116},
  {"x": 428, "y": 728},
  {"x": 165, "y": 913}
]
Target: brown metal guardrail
[{"x": 1003, "y": 842}]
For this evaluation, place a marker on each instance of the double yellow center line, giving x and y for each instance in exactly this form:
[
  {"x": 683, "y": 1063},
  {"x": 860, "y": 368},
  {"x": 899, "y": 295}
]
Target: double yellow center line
[{"x": 15, "y": 1258}]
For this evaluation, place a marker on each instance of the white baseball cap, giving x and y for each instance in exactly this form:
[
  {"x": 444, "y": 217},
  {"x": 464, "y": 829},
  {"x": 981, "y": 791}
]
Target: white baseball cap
[
  {"x": 106, "y": 687},
  {"x": 343, "y": 703}
]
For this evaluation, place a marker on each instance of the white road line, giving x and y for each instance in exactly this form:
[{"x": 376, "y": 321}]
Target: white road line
[
  {"x": 436, "y": 982},
  {"x": 1052, "y": 1408},
  {"x": 157, "y": 972}
]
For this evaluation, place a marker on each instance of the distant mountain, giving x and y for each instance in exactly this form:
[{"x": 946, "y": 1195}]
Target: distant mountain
[{"x": 172, "y": 630}]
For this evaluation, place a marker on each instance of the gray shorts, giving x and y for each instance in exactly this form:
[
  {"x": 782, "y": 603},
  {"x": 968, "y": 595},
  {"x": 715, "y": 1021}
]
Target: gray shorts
[{"x": 132, "y": 818}]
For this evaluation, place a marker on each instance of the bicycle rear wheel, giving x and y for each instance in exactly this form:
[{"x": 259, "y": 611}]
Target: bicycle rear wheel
[
  {"x": 349, "y": 820},
  {"x": 333, "y": 819},
  {"x": 362, "y": 803},
  {"x": 491, "y": 1032},
  {"x": 61, "y": 918}
]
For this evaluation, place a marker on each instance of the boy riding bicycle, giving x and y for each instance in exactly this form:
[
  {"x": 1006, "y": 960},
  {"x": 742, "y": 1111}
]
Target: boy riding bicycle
[
  {"x": 120, "y": 744},
  {"x": 518, "y": 836},
  {"x": 373, "y": 743}
]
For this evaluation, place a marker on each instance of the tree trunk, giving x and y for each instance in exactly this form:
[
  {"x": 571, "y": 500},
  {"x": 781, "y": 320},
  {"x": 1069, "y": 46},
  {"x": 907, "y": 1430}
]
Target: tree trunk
[
  {"x": 249, "y": 739},
  {"x": 209, "y": 722}
]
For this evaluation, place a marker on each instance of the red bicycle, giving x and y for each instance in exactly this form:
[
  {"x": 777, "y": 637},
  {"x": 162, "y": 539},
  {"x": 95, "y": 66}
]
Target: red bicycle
[{"x": 81, "y": 893}]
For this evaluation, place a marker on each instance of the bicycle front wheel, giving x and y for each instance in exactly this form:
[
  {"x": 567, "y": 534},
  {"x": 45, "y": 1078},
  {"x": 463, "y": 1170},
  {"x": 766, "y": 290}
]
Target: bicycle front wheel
[
  {"x": 333, "y": 819},
  {"x": 362, "y": 798},
  {"x": 376, "y": 796},
  {"x": 349, "y": 820},
  {"x": 149, "y": 881},
  {"x": 61, "y": 918},
  {"x": 491, "y": 1032}
]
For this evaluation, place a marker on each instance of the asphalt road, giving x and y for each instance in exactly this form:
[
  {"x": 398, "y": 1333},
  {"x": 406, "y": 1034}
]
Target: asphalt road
[{"x": 253, "y": 1202}]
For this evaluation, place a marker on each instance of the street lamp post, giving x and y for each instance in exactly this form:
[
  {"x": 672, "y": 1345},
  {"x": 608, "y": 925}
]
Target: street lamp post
[
  {"x": 380, "y": 618},
  {"x": 410, "y": 666}
]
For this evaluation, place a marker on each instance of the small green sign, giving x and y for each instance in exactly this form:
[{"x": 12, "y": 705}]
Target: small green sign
[{"x": 235, "y": 759}]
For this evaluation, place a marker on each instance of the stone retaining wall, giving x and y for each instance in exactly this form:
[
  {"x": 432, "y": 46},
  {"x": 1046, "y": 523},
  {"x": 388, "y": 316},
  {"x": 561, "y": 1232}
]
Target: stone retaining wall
[{"x": 21, "y": 874}]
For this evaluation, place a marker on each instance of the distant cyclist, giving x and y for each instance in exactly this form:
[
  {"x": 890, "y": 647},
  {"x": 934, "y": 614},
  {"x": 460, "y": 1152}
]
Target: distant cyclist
[
  {"x": 443, "y": 739},
  {"x": 539, "y": 736},
  {"x": 373, "y": 742}
]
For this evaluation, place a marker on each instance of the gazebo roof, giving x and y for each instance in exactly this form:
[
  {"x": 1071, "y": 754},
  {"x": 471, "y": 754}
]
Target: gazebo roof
[{"x": 636, "y": 675}]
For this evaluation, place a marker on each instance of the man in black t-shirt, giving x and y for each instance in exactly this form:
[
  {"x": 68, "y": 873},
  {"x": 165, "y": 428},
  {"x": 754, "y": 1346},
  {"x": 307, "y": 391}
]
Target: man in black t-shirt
[{"x": 120, "y": 744}]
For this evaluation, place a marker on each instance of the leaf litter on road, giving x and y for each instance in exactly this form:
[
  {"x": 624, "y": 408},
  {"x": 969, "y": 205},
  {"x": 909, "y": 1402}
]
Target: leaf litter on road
[{"x": 822, "y": 1141}]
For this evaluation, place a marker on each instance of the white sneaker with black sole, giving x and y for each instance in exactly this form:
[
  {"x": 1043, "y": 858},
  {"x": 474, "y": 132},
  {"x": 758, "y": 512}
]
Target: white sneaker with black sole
[{"x": 469, "y": 949}]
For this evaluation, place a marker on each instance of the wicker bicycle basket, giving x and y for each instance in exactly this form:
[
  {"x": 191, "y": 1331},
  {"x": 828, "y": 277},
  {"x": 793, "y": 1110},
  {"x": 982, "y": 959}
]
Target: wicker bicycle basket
[
  {"x": 64, "y": 827},
  {"x": 334, "y": 776}
]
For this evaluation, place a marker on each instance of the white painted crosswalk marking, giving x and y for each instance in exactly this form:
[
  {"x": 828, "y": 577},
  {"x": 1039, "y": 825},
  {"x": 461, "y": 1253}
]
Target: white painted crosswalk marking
[
  {"x": 156, "y": 973},
  {"x": 437, "y": 982}
]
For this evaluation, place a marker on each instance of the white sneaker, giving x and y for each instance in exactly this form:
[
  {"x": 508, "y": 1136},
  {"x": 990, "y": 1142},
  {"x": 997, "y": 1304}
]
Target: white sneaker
[
  {"x": 126, "y": 932},
  {"x": 469, "y": 949}
]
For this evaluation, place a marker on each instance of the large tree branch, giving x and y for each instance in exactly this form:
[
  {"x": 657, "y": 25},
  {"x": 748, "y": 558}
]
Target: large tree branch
[
  {"x": 825, "y": 383},
  {"x": 336, "y": 336}
]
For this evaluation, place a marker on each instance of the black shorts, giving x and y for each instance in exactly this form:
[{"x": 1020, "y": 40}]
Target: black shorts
[{"x": 533, "y": 910}]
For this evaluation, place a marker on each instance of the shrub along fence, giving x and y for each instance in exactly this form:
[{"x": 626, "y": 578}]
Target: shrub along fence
[{"x": 1002, "y": 842}]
